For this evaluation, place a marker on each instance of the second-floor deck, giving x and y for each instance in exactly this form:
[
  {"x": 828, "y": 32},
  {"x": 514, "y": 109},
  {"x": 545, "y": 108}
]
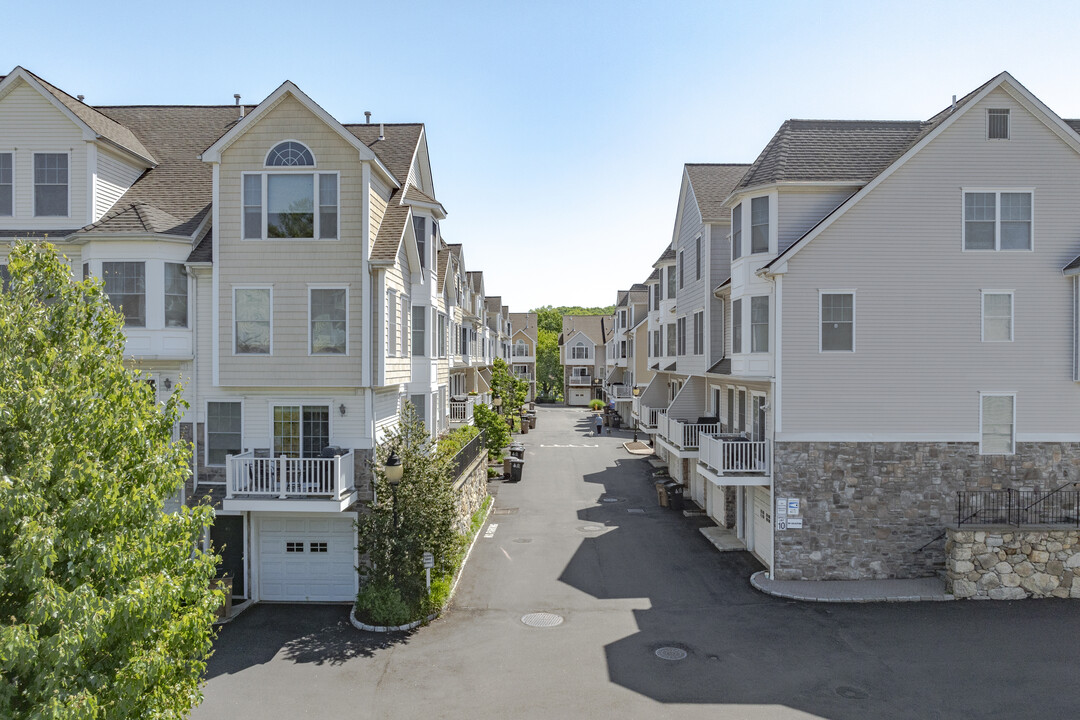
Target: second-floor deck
[{"x": 250, "y": 479}]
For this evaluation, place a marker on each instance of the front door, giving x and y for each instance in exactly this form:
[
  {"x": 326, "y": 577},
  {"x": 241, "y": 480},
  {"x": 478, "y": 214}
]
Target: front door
[{"x": 227, "y": 540}]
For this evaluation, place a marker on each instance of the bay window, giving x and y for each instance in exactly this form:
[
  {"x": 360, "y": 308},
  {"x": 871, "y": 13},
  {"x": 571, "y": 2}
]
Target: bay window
[{"x": 125, "y": 284}]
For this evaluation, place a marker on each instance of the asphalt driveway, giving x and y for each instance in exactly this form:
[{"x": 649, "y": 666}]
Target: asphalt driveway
[{"x": 581, "y": 538}]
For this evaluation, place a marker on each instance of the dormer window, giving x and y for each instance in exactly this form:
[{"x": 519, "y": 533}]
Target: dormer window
[
  {"x": 290, "y": 154},
  {"x": 997, "y": 124},
  {"x": 283, "y": 204}
]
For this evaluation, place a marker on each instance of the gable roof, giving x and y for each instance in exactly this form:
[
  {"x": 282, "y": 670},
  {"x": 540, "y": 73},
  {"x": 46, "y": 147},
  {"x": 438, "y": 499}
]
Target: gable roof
[
  {"x": 442, "y": 260},
  {"x": 589, "y": 325},
  {"x": 104, "y": 127},
  {"x": 712, "y": 183},
  {"x": 391, "y": 230},
  {"x": 397, "y": 148},
  {"x": 666, "y": 258},
  {"x": 934, "y": 127}
]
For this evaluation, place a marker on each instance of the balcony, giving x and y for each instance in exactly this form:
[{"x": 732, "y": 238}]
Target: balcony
[
  {"x": 461, "y": 411},
  {"x": 620, "y": 392},
  {"x": 526, "y": 376},
  {"x": 734, "y": 454},
  {"x": 257, "y": 483},
  {"x": 580, "y": 380},
  {"x": 682, "y": 434},
  {"x": 650, "y": 417}
]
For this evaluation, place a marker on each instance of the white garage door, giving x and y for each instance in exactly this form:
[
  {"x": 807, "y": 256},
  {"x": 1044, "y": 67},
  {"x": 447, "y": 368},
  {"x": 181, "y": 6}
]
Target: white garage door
[
  {"x": 306, "y": 558},
  {"x": 763, "y": 526},
  {"x": 579, "y": 397}
]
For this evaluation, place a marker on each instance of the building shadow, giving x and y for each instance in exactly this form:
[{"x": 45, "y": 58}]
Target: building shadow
[{"x": 303, "y": 634}]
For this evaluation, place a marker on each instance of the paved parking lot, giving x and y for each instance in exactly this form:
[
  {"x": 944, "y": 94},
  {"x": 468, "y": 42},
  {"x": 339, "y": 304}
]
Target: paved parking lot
[{"x": 581, "y": 538}]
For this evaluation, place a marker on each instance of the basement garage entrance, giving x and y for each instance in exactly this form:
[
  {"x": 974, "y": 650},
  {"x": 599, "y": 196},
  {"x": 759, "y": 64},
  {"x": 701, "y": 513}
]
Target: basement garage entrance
[
  {"x": 306, "y": 558},
  {"x": 579, "y": 397},
  {"x": 762, "y": 525}
]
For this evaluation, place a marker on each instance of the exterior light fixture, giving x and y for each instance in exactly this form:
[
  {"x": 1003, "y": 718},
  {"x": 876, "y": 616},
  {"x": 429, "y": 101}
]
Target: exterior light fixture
[
  {"x": 341, "y": 409},
  {"x": 393, "y": 469},
  {"x": 168, "y": 383}
]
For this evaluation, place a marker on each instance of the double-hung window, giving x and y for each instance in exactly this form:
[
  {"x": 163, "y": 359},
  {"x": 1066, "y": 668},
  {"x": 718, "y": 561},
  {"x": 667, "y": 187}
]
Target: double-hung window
[
  {"x": 656, "y": 296},
  {"x": 997, "y": 315},
  {"x": 329, "y": 324},
  {"x": 176, "y": 295},
  {"x": 682, "y": 270},
  {"x": 284, "y": 203},
  {"x": 670, "y": 282},
  {"x": 997, "y": 423},
  {"x": 7, "y": 185},
  {"x": 671, "y": 345},
  {"x": 697, "y": 258},
  {"x": 421, "y": 240},
  {"x": 419, "y": 327},
  {"x": 837, "y": 322},
  {"x": 50, "y": 184},
  {"x": 759, "y": 323},
  {"x": 759, "y": 225},
  {"x": 253, "y": 321},
  {"x": 391, "y": 323},
  {"x": 579, "y": 351},
  {"x": 699, "y": 332},
  {"x": 301, "y": 430},
  {"x": 125, "y": 284},
  {"x": 442, "y": 335},
  {"x": 997, "y": 220},
  {"x": 680, "y": 325},
  {"x": 223, "y": 431},
  {"x": 736, "y": 326},
  {"x": 736, "y": 232}
]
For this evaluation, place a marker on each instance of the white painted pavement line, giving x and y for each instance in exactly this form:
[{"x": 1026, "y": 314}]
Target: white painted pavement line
[
  {"x": 569, "y": 446},
  {"x": 490, "y": 532}
]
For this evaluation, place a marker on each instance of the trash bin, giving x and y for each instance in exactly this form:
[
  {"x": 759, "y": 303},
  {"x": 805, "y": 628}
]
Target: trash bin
[
  {"x": 506, "y": 467},
  {"x": 517, "y": 450},
  {"x": 524, "y": 425},
  {"x": 616, "y": 422},
  {"x": 661, "y": 493},
  {"x": 532, "y": 420},
  {"x": 675, "y": 495},
  {"x": 516, "y": 467}
]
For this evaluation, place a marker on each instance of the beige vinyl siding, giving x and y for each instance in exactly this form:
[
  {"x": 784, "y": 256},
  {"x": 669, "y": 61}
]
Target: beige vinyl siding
[
  {"x": 29, "y": 123},
  {"x": 919, "y": 362},
  {"x": 378, "y": 196},
  {"x": 347, "y": 431},
  {"x": 800, "y": 209},
  {"x": 388, "y": 402},
  {"x": 114, "y": 177},
  {"x": 691, "y": 297},
  {"x": 399, "y": 280},
  {"x": 289, "y": 266}
]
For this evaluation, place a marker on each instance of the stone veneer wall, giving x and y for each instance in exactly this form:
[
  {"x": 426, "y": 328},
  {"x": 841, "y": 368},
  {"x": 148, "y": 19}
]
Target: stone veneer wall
[
  {"x": 1009, "y": 563},
  {"x": 868, "y": 508},
  {"x": 471, "y": 489}
]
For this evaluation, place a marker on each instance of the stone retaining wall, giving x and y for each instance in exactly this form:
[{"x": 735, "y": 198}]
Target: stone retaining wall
[
  {"x": 471, "y": 490},
  {"x": 1008, "y": 563},
  {"x": 869, "y": 509}
]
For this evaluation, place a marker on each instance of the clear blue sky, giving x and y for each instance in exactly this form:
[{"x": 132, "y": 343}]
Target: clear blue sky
[{"x": 558, "y": 130}]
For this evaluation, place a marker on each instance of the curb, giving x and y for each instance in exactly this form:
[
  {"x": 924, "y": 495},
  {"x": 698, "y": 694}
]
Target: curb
[
  {"x": 359, "y": 625},
  {"x": 759, "y": 581}
]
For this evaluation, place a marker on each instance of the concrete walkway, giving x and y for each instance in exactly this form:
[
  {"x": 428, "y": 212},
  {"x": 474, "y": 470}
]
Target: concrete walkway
[{"x": 853, "y": 591}]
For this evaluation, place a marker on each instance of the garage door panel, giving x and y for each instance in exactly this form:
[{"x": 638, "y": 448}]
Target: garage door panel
[{"x": 304, "y": 574}]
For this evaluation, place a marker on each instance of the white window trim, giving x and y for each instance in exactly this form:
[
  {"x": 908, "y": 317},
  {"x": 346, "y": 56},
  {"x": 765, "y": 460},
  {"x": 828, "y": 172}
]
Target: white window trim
[
  {"x": 264, "y": 189},
  {"x": 188, "y": 278},
  {"x": 330, "y": 403},
  {"x": 984, "y": 394},
  {"x": 33, "y": 183},
  {"x": 1008, "y": 124},
  {"x": 854, "y": 320},
  {"x": 997, "y": 217},
  {"x": 314, "y": 159},
  {"x": 253, "y": 287},
  {"x": 982, "y": 314},
  {"x": 327, "y": 286},
  {"x": 749, "y": 310},
  {"x": 206, "y": 433},
  {"x": 14, "y": 184},
  {"x": 392, "y": 320}
]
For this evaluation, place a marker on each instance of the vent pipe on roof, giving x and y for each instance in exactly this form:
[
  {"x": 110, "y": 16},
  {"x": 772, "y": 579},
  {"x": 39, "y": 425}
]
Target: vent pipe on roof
[
  {"x": 367, "y": 116},
  {"x": 236, "y": 97},
  {"x": 953, "y": 104},
  {"x": 382, "y": 132},
  {"x": 80, "y": 98}
]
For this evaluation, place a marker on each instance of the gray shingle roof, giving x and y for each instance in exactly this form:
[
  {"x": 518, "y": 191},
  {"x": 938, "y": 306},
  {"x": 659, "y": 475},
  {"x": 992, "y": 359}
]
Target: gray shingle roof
[
  {"x": 136, "y": 217},
  {"x": 654, "y": 276},
  {"x": 388, "y": 239},
  {"x": 712, "y": 183},
  {"x": 1072, "y": 268},
  {"x": 204, "y": 251},
  {"x": 1074, "y": 124},
  {"x": 396, "y": 149},
  {"x": 723, "y": 367},
  {"x": 415, "y": 194},
  {"x": 667, "y": 256}
]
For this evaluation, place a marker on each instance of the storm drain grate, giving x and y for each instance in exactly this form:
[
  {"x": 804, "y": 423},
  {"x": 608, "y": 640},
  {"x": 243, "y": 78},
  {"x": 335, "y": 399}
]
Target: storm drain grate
[
  {"x": 611, "y": 500},
  {"x": 542, "y": 620},
  {"x": 523, "y": 540},
  {"x": 636, "y": 511},
  {"x": 671, "y": 653},
  {"x": 504, "y": 511}
]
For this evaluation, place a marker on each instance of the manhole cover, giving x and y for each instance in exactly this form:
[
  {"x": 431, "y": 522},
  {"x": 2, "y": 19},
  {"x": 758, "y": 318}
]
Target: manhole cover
[
  {"x": 852, "y": 693},
  {"x": 636, "y": 511},
  {"x": 590, "y": 528},
  {"x": 523, "y": 540},
  {"x": 611, "y": 500},
  {"x": 671, "y": 653},
  {"x": 541, "y": 620}
]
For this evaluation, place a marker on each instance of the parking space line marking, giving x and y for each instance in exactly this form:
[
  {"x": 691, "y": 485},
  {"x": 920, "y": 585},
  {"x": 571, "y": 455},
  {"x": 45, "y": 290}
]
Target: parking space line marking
[{"x": 490, "y": 533}]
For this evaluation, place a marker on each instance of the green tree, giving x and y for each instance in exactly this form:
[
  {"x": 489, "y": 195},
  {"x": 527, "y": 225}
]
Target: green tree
[
  {"x": 498, "y": 432},
  {"x": 405, "y": 522},
  {"x": 512, "y": 389},
  {"x": 549, "y": 371},
  {"x": 105, "y": 602}
]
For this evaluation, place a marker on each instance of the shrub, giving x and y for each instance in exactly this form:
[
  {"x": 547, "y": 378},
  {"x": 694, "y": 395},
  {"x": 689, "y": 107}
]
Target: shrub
[
  {"x": 440, "y": 593},
  {"x": 380, "y": 603},
  {"x": 451, "y": 443},
  {"x": 498, "y": 435},
  {"x": 596, "y": 404}
]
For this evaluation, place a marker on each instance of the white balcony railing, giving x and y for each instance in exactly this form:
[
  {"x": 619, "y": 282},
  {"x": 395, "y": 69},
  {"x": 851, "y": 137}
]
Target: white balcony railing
[
  {"x": 461, "y": 411},
  {"x": 578, "y": 380},
  {"x": 526, "y": 376},
  {"x": 684, "y": 435},
  {"x": 650, "y": 417},
  {"x": 289, "y": 478},
  {"x": 620, "y": 391},
  {"x": 728, "y": 453}
]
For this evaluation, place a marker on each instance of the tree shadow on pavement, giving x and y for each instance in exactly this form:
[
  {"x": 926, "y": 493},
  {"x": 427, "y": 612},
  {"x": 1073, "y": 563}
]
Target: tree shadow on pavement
[{"x": 303, "y": 634}]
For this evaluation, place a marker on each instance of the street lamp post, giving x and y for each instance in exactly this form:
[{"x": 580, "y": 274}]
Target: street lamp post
[{"x": 393, "y": 470}]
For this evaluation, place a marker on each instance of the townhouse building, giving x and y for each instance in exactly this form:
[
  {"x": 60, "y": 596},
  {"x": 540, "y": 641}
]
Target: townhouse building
[
  {"x": 898, "y": 314},
  {"x": 582, "y": 350},
  {"x": 625, "y": 367},
  {"x": 288, "y": 271},
  {"x": 524, "y": 336}
]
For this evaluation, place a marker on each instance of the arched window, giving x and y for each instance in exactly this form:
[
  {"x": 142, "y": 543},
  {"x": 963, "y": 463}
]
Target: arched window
[
  {"x": 579, "y": 351},
  {"x": 520, "y": 348},
  {"x": 290, "y": 154}
]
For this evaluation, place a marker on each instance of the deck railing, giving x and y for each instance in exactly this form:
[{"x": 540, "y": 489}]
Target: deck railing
[
  {"x": 467, "y": 455},
  {"x": 461, "y": 411},
  {"x": 728, "y": 453},
  {"x": 288, "y": 478},
  {"x": 621, "y": 392},
  {"x": 577, "y": 380},
  {"x": 1018, "y": 507},
  {"x": 687, "y": 435}
]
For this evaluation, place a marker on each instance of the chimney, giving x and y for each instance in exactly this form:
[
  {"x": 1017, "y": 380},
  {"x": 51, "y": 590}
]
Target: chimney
[
  {"x": 367, "y": 116},
  {"x": 236, "y": 97},
  {"x": 382, "y": 133},
  {"x": 80, "y": 98}
]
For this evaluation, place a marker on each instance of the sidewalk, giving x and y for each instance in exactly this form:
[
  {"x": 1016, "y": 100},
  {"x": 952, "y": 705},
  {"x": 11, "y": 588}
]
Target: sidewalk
[{"x": 853, "y": 591}]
